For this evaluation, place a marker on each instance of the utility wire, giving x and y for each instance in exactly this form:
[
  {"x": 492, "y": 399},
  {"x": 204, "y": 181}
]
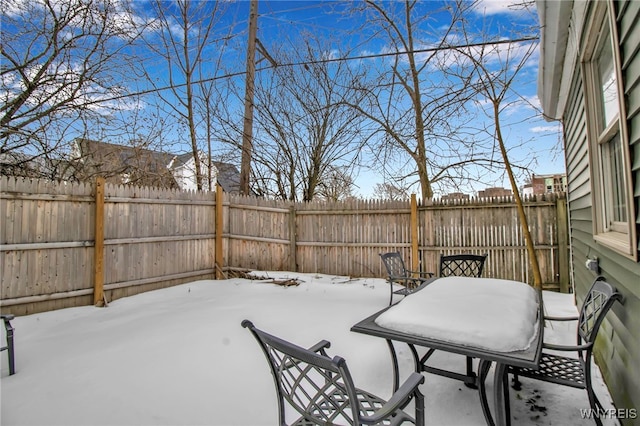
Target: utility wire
[{"x": 319, "y": 61}]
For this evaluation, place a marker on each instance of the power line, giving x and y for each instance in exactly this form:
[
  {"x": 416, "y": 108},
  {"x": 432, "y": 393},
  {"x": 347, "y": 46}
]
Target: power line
[{"x": 319, "y": 61}]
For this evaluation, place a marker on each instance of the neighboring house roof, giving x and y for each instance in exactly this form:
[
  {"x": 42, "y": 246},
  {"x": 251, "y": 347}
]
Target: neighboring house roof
[
  {"x": 228, "y": 177},
  {"x": 13, "y": 158},
  {"x": 15, "y": 163},
  {"x": 181, "y": 160},
  {"x": 125, "y": 164}
]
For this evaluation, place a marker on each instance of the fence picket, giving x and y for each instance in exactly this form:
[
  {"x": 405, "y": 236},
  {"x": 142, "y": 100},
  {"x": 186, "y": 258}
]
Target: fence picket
[{"x": 152, "y": 233}]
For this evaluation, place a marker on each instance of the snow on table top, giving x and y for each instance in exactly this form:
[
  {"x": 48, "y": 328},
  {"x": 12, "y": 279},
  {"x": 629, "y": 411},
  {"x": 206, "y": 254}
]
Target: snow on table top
[{"x": 499, "y": 315}]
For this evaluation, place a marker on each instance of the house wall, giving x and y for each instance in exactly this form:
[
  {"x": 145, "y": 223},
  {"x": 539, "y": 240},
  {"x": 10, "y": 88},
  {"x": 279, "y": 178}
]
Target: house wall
[
  {"x": 618, "y": 345},
  {"x": 185, "y": 175}
]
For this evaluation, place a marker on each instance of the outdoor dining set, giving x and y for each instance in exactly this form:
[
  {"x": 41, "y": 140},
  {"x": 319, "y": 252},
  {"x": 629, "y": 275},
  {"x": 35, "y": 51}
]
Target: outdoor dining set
[{"x": 499, "y": 322}]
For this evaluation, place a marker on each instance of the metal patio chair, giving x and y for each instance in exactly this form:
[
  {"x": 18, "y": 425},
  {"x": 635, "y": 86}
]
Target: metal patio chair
[
  {"x": 575, "y": 371},
  {"x": 321, "y": 389},
  {"x": 398, "y": 273},
  {"x": 6, "y": 318},
  {"x": 462, "y": 265}
]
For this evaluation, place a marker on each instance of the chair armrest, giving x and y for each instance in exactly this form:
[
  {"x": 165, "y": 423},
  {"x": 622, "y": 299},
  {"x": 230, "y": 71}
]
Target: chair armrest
[
  {"x": 548, "y": 318},
  {"x": 320, "y": 347},
  {"x": 430, "y": 274},
  {"x": 565, "y": 348},
  {"x": 398, "y": 400},
  {"x": 404, "y": 280},
  {"x": 398, "y": 278}
]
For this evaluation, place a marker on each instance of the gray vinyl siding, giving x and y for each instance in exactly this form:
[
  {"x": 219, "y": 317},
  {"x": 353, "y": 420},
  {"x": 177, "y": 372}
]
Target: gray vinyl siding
[
  {"x": 618, "y": 345},
  {"x": 627, "y": 341}
]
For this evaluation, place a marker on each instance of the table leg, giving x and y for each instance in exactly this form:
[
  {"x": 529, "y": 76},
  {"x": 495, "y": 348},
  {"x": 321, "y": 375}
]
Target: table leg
[
  {"x": 483, "y": 370},
  {"x": 472, "y": 377},
  {"x": 416, "y": 358},
  {"x": 501, "y": 395},
  {"x": 394, "y": 360}
]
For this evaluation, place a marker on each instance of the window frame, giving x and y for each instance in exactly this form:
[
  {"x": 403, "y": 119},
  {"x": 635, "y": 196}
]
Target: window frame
[{"x": 618, "y": 236}]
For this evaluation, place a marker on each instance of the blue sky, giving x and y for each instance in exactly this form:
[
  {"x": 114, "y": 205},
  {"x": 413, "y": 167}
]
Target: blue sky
[
  {"x": 281, "y": 23},
  {"x": 540, "y": 140}
]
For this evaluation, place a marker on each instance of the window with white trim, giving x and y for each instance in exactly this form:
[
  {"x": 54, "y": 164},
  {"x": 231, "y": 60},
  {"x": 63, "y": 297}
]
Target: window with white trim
[{"x": 608, "y": 142}]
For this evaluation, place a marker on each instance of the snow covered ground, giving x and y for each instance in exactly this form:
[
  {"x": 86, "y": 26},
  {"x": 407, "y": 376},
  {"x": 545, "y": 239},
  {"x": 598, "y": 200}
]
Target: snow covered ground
[{"x": 179, "y": 356}]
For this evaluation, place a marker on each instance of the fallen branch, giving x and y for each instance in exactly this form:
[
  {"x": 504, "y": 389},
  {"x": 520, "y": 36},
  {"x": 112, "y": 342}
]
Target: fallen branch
[{"x": 286, "y": 283}]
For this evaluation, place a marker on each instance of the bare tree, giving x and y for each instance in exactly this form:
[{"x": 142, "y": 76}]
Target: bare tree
[
  {"x": 63, "y": 64},
  {"x": 185, "y": 35},
  {"x": 419, "y": 110},
  {"x": 389, "y": 191},
  {"x": 496, "y": 67},
  {"x": 336, "y": 185},
  {"x": 213, "y": 104},
  {"x": 304, "y": 129}
]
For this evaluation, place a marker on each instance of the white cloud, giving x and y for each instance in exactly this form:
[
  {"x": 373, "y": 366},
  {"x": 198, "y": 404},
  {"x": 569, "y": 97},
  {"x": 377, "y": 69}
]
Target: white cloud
[
  {"x": 546, "y": 129},
  {"x": 13, "y": 8},
  {"x": 534, "y": 101},
  {"x": 494, "y": 55},
  {"x": 330, "y": 55},
  {"x": 495, "y": 7}
]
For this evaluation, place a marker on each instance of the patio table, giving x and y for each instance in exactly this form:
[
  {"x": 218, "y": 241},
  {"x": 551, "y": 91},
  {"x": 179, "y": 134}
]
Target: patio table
[{"x": 496, "y": 321}]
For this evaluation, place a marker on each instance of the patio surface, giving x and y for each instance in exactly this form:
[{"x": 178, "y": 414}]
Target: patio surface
[{"x": 179, "y": 356}]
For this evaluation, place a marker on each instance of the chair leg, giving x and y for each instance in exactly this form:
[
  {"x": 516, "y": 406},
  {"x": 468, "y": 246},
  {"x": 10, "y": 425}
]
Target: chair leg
[
  {"x": 507, "y": 402},
  {"x": 419, "y": 403},
  {"x": 12, "y": 364},
  {"x": 390, "y": 294},
  {"x": 594, "y": 402},
  {"x": 515, "y": 382},
  {"x": 10, "y": 351}
]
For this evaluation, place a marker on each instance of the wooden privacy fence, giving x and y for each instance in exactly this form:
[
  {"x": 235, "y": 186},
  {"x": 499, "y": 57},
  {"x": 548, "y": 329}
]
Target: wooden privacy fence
[
  {"x": 65, "y": 244},
  {"x": 346, "y": 238},
  {"x": 70, "y": 244}
]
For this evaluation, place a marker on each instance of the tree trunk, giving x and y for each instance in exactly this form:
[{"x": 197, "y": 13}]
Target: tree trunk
[{"x": 533, "y": 258}]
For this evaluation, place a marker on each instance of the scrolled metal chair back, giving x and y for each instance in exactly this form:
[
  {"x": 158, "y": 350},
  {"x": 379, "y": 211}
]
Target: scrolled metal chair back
[
  {"x": 462, "y": 265},
  {"x": 394, "y": 264},
  {"x": 597, "y": 303},
  {"x": 319, "y": 388}
]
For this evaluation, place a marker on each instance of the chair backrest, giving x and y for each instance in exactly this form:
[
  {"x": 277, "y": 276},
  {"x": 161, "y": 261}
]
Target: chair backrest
[
  {"x": 319, "y": 388},
  {"x": 394, "y": 264},
  {"x": 597, "y": 303},
  {"x": 462, "y": 265}
]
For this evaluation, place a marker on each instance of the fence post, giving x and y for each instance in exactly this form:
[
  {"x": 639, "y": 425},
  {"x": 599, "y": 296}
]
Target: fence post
[
  {"x": 293, "y": 260},
  {"x": 98, "y": 251},
  {"x": 415, "y": 260},
  {"x": 563, "y": 244},
  {"x": 219, "y": 259}
]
